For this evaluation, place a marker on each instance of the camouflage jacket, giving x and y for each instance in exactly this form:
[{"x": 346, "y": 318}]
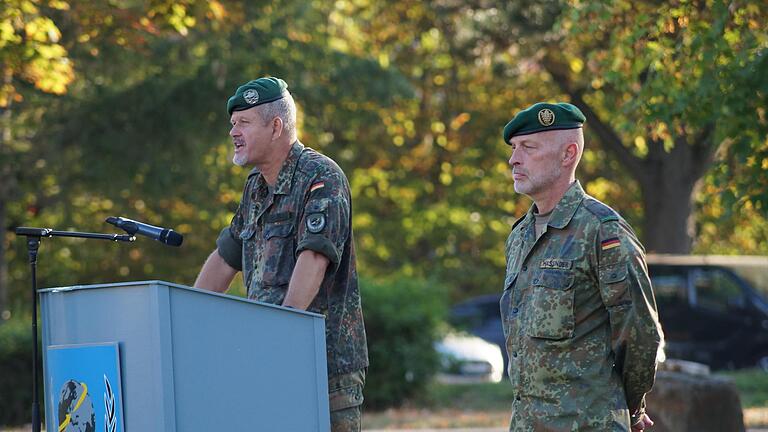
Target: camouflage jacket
[
  {"x": 579, "y": 318},
  {"x": 309, "y": 208}
]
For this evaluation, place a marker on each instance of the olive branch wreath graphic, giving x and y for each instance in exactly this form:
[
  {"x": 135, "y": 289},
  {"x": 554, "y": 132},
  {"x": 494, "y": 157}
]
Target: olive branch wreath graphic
[{"x": 110, "y": 417}]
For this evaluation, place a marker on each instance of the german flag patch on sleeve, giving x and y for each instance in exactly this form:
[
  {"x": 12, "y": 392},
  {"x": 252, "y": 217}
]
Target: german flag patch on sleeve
[
  {"x": 316, "y": 186},
  {"x": 610, "y": 243}
]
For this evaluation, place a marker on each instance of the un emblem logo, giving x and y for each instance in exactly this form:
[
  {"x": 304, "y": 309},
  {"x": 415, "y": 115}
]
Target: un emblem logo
[
  {"x": 546, "y": 117},
  {"x": 251, "y": 96}
]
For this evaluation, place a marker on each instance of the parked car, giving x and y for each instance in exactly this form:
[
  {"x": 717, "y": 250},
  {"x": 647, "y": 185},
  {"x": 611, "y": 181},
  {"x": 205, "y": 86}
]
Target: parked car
[
  {"x": 710, "y": 313},
  {"x": 467, "y": 359},
  {"x": 713, "y": 310}
]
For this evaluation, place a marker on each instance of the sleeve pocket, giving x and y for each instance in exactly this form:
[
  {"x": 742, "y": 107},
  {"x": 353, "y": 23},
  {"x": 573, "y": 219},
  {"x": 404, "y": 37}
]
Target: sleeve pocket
[
  {"x": 346, "y": 397},
  {"x": 613, "y": 273},
  {"x": 614, "y": 286}
]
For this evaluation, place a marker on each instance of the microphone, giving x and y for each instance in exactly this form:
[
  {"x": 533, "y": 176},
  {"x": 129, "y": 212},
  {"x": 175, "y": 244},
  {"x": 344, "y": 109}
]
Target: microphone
[{"x": 132, "y": 227}]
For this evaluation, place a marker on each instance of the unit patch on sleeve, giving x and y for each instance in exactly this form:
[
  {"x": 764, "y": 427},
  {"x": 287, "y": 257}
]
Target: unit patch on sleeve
[{"x": 315, "y": 222}]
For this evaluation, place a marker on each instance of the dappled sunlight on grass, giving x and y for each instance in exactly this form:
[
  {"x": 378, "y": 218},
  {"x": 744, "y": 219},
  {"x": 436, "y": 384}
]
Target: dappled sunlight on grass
[{"x": 421, "y": 418}]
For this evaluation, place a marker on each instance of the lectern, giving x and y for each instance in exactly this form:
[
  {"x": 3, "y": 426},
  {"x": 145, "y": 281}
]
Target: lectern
[{"x": 156, "y": 356}]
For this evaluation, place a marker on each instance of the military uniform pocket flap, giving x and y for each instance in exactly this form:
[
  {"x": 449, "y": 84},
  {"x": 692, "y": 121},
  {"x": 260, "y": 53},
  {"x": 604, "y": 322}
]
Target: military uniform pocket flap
[
  {"x": 555, "y": 279},
  {"x": 277, "y": 230},
  {"x": 248, "y": 231},
  {"x": 509, "y": 280},
  {"x": 346, "y": 397},
  {"x": 278, "y": 217},
  {"x": 613, "y": 273}
]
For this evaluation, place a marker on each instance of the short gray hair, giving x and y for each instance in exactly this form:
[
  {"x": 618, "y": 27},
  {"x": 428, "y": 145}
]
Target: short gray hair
[{"x": 285, "y": 108}]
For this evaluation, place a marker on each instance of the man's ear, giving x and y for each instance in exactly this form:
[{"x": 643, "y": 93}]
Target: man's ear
[
  {"x": 277, "y": 128},
  {"x": 570, "y": 154}
]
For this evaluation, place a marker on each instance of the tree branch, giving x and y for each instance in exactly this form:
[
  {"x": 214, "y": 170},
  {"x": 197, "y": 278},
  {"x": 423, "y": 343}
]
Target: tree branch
[
  {"x": 703, "y": 150},
  {"x": 608, "y": 136}
]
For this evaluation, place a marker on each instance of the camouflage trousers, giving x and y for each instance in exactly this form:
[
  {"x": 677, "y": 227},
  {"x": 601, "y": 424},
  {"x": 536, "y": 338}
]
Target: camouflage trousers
[{"x": 345, "y": 397}]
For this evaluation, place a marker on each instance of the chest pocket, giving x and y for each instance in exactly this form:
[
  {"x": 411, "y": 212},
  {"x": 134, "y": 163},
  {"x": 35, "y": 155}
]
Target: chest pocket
[
  {"x": 279, "y": 249},
  {"x": 552, "y": 305},
  {"x": 279, "y": 229},
  {"x": 250, "y": 225}
]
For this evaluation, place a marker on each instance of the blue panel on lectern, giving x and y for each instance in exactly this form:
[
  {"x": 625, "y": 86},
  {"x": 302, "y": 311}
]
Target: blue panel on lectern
[{"x": 84, "y": 387}]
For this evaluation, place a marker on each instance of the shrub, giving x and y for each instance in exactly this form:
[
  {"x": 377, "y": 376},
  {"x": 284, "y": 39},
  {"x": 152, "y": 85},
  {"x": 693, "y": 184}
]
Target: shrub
[
  {"x": 16, "y": 373},
  {"x": 402, "y": 320}
]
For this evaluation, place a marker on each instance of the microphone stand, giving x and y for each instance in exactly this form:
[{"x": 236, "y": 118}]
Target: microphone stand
[{"x": 33, "y": 245}]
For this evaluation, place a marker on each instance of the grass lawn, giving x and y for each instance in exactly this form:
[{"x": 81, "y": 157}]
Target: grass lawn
[
  {"x": 753, "y": 391},
  {"x": 487, "y": 405},
  {"x": 752, "y": 385}
]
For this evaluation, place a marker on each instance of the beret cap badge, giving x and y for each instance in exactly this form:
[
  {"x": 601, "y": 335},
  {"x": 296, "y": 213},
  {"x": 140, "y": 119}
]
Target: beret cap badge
[
  {"x": 543, "y": 117},
  {"x": 251, "y": 96},
  {"x": 257, "y": 92},
  {"x": 546, "y": 117}
]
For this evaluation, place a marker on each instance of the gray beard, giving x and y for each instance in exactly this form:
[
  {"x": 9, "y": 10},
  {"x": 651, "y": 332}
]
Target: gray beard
[{"x": 238, "y": 161}]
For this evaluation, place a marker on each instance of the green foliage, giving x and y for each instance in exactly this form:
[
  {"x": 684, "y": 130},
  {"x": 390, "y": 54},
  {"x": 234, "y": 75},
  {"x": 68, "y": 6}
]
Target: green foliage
[
  {"x": 402, "y": 318},
  {"x": 752, "y": 385},
  {"x": 472, "y": 397},
  {"x": 16, "y": 373},
  {"x": 409, "y": 97}
]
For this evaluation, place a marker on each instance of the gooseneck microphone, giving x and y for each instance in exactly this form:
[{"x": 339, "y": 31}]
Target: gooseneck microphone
[{"x": 132, "y": 227}]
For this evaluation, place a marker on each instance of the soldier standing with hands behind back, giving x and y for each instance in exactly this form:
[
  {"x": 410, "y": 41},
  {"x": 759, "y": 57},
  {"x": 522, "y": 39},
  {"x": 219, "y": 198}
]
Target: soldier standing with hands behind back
[
  {"x": 578, "y": 312},
  {"x": 291, "y": 237}
]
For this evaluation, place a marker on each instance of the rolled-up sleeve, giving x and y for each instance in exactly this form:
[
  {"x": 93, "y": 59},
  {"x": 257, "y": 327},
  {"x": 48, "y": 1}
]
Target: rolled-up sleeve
[
  {"x": 230, "y": 249},
  {"x": 229, "y": 244}
]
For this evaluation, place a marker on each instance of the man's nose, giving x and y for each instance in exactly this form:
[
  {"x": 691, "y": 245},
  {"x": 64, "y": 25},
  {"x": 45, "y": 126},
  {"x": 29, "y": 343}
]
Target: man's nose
[
  {"x": 233, "y": 132},
  {"x": 514, "y": 159}
]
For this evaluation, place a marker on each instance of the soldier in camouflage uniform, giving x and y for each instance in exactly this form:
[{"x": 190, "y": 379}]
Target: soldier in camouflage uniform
[
  {"x": 292, "y": 237},
  {"x": 578, "y": 312}
]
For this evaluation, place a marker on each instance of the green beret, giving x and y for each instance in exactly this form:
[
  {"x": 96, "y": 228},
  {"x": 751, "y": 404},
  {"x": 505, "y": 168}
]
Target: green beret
[
  {"x": 543, "y": 117},
  {"x": 256, "y": 92}
]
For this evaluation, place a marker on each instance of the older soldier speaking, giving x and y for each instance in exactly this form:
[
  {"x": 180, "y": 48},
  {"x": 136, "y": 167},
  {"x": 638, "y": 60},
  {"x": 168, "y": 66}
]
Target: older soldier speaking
[
  {"x": 292, "y": 236},
  {"x": 578, "y": 312}
]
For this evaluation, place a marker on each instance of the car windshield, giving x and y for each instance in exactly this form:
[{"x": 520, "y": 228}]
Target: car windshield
[
  {"x": 753, "y": 269},
  {"x": 757, "y": 276}
]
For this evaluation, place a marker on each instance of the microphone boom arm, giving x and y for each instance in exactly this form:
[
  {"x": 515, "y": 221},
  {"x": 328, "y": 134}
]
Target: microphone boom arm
[{"x": 48, "y": 232}]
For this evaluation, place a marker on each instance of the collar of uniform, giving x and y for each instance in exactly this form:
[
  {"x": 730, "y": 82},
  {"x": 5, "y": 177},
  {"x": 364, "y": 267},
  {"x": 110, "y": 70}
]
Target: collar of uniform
[
  {"x": 566, "y": 207},
  {"x": 528, "y": 225},
  {"x": 284, "y": 177},
  {"x": 283, "y": 184}
]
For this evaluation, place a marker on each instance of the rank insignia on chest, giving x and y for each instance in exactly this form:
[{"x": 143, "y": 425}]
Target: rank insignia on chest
[{"x": 552, "y": 263}]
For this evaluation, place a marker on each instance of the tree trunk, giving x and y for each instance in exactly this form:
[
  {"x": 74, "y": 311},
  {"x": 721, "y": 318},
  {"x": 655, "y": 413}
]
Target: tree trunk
[
  {"x": 4, "y": 306},
  {"x": 6, "y": 186},
  {"x": 668, "y": 224},
  {"x": 667, "y": 193},
  {"x": 667, "y": 179}
]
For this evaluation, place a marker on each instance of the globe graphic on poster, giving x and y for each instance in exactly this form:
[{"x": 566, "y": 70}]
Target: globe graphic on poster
[{"x": 75, "y": 408}]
